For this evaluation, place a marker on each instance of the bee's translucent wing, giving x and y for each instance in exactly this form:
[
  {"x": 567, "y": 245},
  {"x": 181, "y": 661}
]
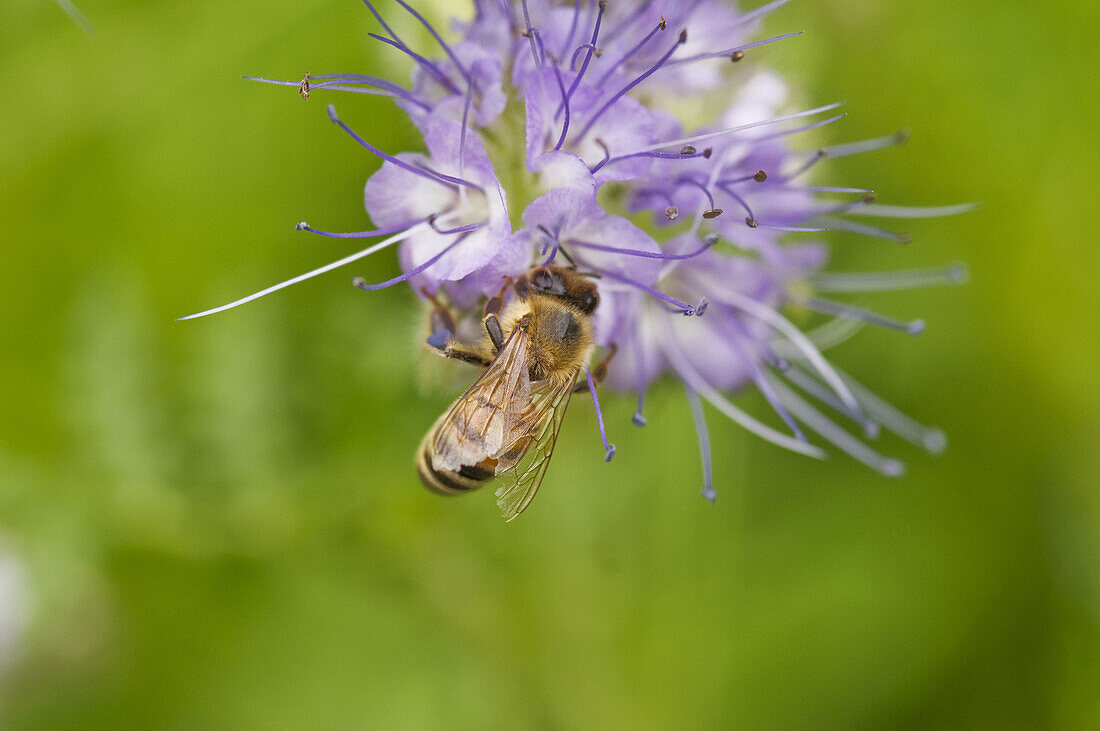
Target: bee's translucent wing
[
  {"x": 520, "y": 482},
  {"x": 485, "y": 419}
]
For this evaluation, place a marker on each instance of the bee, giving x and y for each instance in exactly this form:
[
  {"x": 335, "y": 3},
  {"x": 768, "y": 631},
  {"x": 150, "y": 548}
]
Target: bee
[{"x": 505, "y": 426}]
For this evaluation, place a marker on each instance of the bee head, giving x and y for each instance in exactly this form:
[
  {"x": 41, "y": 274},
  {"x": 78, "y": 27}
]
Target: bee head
[{"x": 560, "y": 282}]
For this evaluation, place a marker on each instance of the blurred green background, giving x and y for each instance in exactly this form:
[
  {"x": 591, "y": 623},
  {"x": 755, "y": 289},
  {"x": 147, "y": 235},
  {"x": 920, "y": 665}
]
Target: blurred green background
[{"x": 217, "y": 523}]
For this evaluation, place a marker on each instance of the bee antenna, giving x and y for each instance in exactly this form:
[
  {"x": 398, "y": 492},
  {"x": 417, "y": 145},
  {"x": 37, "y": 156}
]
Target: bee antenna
[
  {"x": 593, "y": 275},
  {"x": 564, "y": 253}
]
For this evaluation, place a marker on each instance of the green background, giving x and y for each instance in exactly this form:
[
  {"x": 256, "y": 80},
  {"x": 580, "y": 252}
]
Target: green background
[{"x": 219, "y": 522}]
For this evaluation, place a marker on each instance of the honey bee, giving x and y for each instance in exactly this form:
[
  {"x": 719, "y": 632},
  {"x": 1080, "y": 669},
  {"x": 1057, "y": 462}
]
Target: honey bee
[{"x": 506, "y": 424}]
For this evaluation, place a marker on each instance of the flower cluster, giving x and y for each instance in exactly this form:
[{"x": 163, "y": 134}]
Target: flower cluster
[{"x": 627, "y": 138}]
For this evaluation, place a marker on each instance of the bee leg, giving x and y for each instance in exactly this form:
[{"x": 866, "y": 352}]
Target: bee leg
[
  {"x": 496, "y": 334},
  {"x": 441, "y": 319},
  {"x": 467, "y": 356},
  {"x": 600, "y": 371}
]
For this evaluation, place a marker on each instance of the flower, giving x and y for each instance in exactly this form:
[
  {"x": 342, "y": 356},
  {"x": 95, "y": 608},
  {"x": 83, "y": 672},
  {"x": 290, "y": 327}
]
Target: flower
[{"x": 628, "y": 138}]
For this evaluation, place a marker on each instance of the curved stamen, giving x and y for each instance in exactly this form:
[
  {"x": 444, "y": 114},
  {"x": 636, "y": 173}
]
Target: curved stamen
[
  {"x": 577, "y": 51},
  {"x": 930, "y": 438},
  {"x": 916, "y": 211},
  {"x": 303, "y": 226},
  {"x": 431, "y": 68},
  {"x": 302, "y": 277},
  {"x": 840, "y": 224},
  {"x": 821, "y": 424},
  {"x": 609, "y": 449},
  {"x": 358, "y": 281},
  {"x": 855, "y": 148},
  {"x": 678, "y": 306},
  {"x": 461, "y": 229},
  {"x": 661, "y": 25},
  {"x": 739, "y": 128},
  {"x": 815, "y": 388},
  {"x": 828, "y": 307},
  {"x": 565, "y": 106},
  {"x": 700, "y": 420},
  {"x": 657, "y": 155},
  {"x": 887, "y": 281},
  {"x": 708, "y": 242},
  {"x": 727, "y": 189},
  {"x": 588, "y": 56},
  {"x": 738, "y": 333},
  {"x": 797, "y": 338},
  {"x": 572, "y": 27},
  {"x": 691, "y": 377},
  {"x": 731, "y": 52},
  {"x": 429, "y": 175},
  {"x": 446, "y": 48},
  {"x": 681, "y": 40}
]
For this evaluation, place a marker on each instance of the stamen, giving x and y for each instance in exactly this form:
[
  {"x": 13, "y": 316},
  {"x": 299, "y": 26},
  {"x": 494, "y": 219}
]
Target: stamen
[
  {"x": 821, "y": 424},
  {"x": 829, "y": 189},
  {"x": 576, "y": 52},
  {"x": 554, "y": 241},
  {"x": 587, "y": 57},
  {"x": 728, "y": 190},
  {"x": 813, "y": 160},
  {"x": 462, "y": 136},
  {"x": 739, "y": 128},
  {"x": 916, "y": 211},
  {"x": 828, "y": 307},
  {"x": 736, "y": 53},
  {"x": 704, "y": 441},
  {"x": 761, "y": 11},
  {"x": 461, "y": 229},
  {"x": 757, "y": 375},
  {"x": 798, "y": 130},
  {"x": 681, "y": 40},
  {"x": 679, "y": 306},
  {"x": 428, "y": 174},
  {"x": 797, "y": 338},
  {"x": 302, "y": 277},
  {"x": 854, "y": 148},
  {"x": 656, "y": 29},
  {"x": 789, "y": 229},
  {"x": 840, "y": 224},
  {"x": 639, "y": 360},
  {"x": 659, "y": 155},
  {"x": 930, "y": 438},
  {"x": 708, "y": 242},
  {"x": 888, "y": 281},
  {"x": 339, "y": 82},
  {"x": 434, "y": 70},
  {"x": 358, "y": 281},
  {"x": 446, "y": 49},
  {"x": 565, "y": 106},
  {"x": 572, "y": 26},
  {"x": 814, "y": 388},
  {"x": 303, "y": 226},
  {"x": 609, "y": 449},
  {"x": 529, "y": 34},
  {"x": 691, "y": 377},
  {"x": 759, "y": 176}
]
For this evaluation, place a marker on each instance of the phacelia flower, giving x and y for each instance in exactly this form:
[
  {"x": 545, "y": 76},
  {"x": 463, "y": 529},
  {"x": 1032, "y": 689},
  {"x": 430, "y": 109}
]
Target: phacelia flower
[{"x": 626, "y": 137}]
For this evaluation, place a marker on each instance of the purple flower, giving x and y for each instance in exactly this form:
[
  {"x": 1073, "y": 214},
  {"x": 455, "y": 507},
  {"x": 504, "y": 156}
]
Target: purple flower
[{"x": 621, "y": 138}]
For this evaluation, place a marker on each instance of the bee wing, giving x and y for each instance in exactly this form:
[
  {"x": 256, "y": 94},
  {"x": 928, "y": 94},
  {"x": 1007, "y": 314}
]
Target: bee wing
[
  {"x": 543, "y": 419},
  {"x": 484, "y": 419}
]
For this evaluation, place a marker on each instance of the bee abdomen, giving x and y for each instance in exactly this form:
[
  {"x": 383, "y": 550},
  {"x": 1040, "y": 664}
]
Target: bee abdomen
[{"x": 448, "y": 482}]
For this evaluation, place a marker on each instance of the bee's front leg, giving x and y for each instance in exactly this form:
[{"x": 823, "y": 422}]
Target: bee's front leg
[
  {"x": 443, "y": 326},
  {"x": 493, "y": 307},
  {"x": 600, "y": 371}
]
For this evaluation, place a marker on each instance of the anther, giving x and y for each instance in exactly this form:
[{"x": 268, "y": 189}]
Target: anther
[
  {"x": 609, "y": 453},
  {"x": 687, "y": 150},
  {"x": 904, "y": 238},
  {"x": 737, "y": 56},
  {"x": 916, "y": 327},
  {"x": 712, "y": 213},
  {"x": 701, "y": 307},
  {"x": 708, "y": 152},
  {"x": 868, "y": 198},
  {"x": 760, "y": 176},
  {"x": 301, "y": 225},
  {"x": 303, "y": 88},
  {"x": 672, "y": 213},
  {"x": 683, "y": 36},
  {"x": 662, "y": 23},
  {"x": 638, "y": 420},
  {"x": 751, "y": 222}
]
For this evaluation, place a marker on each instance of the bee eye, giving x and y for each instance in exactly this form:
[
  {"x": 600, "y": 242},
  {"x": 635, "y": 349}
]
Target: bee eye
[
  {"x": 589, "y": 302},
  {"x": 542, "y": 280}
]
